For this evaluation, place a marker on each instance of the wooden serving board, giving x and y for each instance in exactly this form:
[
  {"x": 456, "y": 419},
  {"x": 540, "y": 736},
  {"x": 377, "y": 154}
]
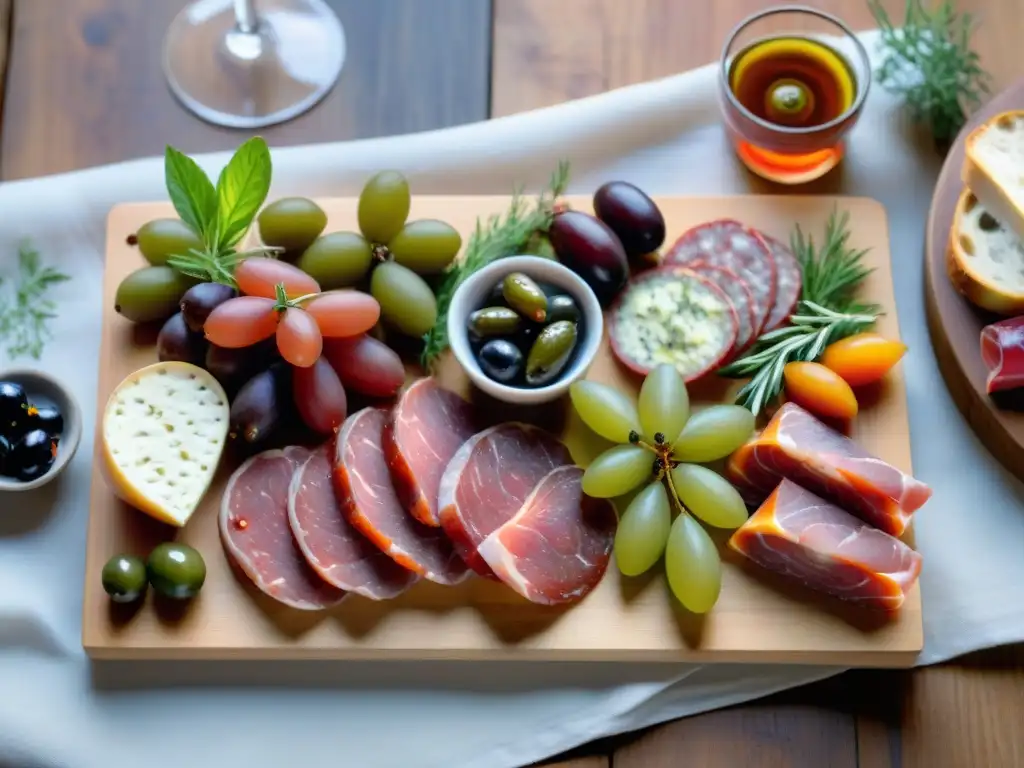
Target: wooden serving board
[
  {"x": 955, "y": 324},
  {"x": 759, "y": 617}
]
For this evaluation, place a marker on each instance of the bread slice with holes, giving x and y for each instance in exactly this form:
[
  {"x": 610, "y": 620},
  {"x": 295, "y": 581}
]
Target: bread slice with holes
[
  {"x": 164, "y": 430},
  {"x": 993, "y": 168},
  {"x": 985, "y": 259}
]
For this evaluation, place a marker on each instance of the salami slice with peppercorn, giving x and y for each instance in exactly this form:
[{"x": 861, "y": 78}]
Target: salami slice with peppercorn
[{"x": 789, "y": 281}]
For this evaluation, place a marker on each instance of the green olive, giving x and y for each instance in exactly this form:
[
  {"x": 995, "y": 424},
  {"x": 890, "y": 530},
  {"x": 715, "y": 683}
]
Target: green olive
[
  {"x": 525, "y": 296},
  {"x": 124, "y": 578},
  {"x": 550, "y": 352},
  {"x": 151, "y": 293},
  {"x": 176, "y": 570},
  {"x": 337, "y": 260},
  {"x": 426, "y": 246},
  {"x": 292, "y": 223},
  {"x": 789, "y": 102},
  {"x": 162, "y": 238},
  {"x": 494, "y": 321},
  {"x": 563, "y": 307},
  {"x": 406, "y": 301}
]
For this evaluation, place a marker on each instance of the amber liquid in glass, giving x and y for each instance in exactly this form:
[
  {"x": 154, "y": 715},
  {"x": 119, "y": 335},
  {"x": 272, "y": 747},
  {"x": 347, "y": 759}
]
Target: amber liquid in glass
[{"x": 792, "y": 82}]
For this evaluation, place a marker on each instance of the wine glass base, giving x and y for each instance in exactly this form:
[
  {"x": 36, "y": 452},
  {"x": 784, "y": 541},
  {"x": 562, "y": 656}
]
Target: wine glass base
[
  {"x": 252, "y": 79},
  {"x": 787, "y": 168}
]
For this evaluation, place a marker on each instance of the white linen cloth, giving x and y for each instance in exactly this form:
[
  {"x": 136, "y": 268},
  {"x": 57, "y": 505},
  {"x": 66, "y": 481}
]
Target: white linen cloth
[{"x": 55, "y": 709}]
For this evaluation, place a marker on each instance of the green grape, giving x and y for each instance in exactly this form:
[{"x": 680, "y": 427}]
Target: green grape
[
  {"x": 617, "y": 471},
  {"x": 605, "y": 410},
  {"x": 151, "y": 293},
  {"x": 162, "y": 238},
  {"x": 692, "y": 565},
  {"x": 337, "y": 260},
  {"x": 383, "y": 206},
  {"x": 709, "y": 496},
  {"x": 664, "y": 404},
  {"x": 714, "y": 433},
  {"x": 406, "y": 301},
  {"x": 292, "y": 223},
  {"x": 643, "y": 530},
  {"x": 426, "y": 246}
]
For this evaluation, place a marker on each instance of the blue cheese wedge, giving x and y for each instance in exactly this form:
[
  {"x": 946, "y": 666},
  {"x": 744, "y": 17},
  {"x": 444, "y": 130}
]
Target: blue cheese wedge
[{"x": 164, "y": 430}]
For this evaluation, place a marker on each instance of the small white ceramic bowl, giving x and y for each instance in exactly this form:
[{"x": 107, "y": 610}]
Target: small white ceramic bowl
[
  {"x": 471, "y": 296},
  {"x": 39, "y": 385}
]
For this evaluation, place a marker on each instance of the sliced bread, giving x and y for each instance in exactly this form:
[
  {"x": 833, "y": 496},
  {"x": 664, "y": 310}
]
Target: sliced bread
[
  {"x": 993, "y": 167},
  {"x": 985, "y": 260}
]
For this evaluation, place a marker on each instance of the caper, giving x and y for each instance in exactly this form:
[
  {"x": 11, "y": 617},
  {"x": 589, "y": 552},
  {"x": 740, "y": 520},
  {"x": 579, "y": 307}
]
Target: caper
[
  {"x": 494, "y": 321},
  {"x": 124, "y": 578},
  {"x": 160, "y": 239},
  {"x": 500, "y": 360},
  {"x": 176, "y": 570},
  {"x": 563, "y": 307},
  {"x": 525, "y": 296},
  {"x": 151, "y": 293},
  {"x": 550, "y": 352}
]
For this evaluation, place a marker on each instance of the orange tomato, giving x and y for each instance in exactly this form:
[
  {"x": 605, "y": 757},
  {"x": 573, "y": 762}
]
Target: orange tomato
[
  {"x": 820, "y": 390},
  {"x": 864, "y": 358}
]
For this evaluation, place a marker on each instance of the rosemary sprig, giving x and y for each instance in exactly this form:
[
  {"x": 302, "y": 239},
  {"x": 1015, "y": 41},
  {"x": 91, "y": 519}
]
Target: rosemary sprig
[
  {"x": 804, "y": 339},
  {"x": 929, "y": 62},
  {"x": 832, "y": 273},
  {"x": 513, "y": 233},
  {"x": 25, "y": 313}
]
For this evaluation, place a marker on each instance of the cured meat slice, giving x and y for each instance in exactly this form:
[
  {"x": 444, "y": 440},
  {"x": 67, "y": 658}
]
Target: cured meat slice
[
  {"x": 339, "y": 553},
  {"x": 789, "y": 283},
  {"x": 427, "y": 426},
  {"x": 489, "y": 478},
  {"x": 727, "y": 243},
  {"x": 804, "y": 537},
  {"x": 255, "y": 533},
  {"x": 742, "y": 301},
  {"x": 557, "y": 547},
  {"x": 371, "y": 504},
  {"x": 798, "y": 447},
  {"x": 1002, "y": 351}
]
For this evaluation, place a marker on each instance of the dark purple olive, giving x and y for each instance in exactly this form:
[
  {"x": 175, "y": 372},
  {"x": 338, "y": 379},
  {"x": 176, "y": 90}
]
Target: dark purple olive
[
  {"x": 200, "y": 300},
  {"x": 49, "y": 419},
  {"x": 233, "y": 367},
  {"x": 13, "y": 403},
  {"x": 257, "y": 409},
  {"x": 5, "y": 454},
  {"x": 592, "y": 250},
  {"x": 176, "y": 342},
  {"x": 500, "y": 360},
  {"x": 631, "y": 215},
  {"x": 32, "y": 456}
]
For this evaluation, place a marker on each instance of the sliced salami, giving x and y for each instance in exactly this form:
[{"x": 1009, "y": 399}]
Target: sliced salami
[
  {"x": 489, "y": 478},
  {"x": 742, "y": 301},
  {"x": 427, "y": 426},
  {"x": 727, "y": 243},
  {"x": 255, "y": 533},
  {"x": 339, "y": 553},
  {"x": 789, "y": 282},
  {"x": 369, "y": 501},
  {"x": 557, "y": 547}
]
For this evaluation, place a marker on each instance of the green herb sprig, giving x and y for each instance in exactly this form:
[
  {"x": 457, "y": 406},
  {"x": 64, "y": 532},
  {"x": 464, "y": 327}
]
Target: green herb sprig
[
  {"x": 219, "y": 214},
  {"x": 25, "y": 312},
  {"x": 834, "y": 272},
  {"x": 929, "y": 62},
  {"x": 502, "y": 235}
]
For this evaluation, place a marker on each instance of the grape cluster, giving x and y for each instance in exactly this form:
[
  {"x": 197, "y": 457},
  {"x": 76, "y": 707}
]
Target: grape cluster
[{"x": 661, "y": 444}]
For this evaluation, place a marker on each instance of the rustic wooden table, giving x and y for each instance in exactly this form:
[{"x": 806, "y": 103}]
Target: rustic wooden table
[{"x": 84, "y": 87}]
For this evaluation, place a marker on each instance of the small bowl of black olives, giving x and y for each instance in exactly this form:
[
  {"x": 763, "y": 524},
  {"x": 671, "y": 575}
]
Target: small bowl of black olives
[
  {"x": 40, "y": 428},
  {"x": 524, "y": 328}
]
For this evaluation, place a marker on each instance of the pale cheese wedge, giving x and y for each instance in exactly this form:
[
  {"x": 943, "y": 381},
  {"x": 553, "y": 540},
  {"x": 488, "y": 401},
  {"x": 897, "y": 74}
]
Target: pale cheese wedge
[
  {"x": 985, "y": 259},
  {"x": 993, "y": 168},
  {"x": 164, "y": 430}
]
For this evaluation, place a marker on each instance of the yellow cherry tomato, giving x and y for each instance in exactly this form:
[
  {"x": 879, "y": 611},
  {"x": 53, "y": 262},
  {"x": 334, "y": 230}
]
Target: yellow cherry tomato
[
  {"x": 820, "y": 390},
  {"x": 864, "y": 358}
]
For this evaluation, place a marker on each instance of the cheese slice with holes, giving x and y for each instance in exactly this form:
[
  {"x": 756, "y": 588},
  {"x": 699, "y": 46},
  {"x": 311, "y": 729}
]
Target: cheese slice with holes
[
  {"x": 164, "y": 430},
  {"x": 993, "y": 168}
]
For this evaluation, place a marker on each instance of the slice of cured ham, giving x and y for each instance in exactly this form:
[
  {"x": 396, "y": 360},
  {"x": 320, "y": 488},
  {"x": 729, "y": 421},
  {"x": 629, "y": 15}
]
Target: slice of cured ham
[
  {"x": 339, "y": 553},
  {"x": 557, "y": 547},
  {"x": 427, "y": 426},
  {"x": 804, "y": 537},
  {"x": 489, "y": 478},
  {"x": 797, "y": 446},
  {"x": 1002, "y": 351},
  {"x": 370, "y": 502},
  {"x": 255, "y": 532}
]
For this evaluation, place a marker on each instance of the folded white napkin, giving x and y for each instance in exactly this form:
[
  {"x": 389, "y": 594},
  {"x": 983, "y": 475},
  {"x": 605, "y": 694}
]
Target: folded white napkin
[{"x": 666, "y": 136}]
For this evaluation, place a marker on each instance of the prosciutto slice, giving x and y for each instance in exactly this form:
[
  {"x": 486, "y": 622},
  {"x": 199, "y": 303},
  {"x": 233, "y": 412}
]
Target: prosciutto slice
[
  {"x": 371, "y": 504},
  {"x": 489, "y": 478},
  {"x": 798, "y": 447},
  {"x": 1002, "y": 351},
  {"x": 557, "y": 546},
  {"x": 254, "y": 530},
  {"x": 339, "y": 554},
  {"x": 804, "y": 537},
  {"x": 427, "y": 426}
]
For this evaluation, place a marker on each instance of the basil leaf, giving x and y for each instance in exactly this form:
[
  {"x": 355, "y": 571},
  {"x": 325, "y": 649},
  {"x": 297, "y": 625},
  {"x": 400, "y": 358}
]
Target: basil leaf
[
  {"x": 241, "y": 189},
  {"x": 191, "y": 192}
]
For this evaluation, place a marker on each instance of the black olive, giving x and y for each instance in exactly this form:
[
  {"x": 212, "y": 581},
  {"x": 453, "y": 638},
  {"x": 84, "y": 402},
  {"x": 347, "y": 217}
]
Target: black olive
[
  {"x": 5, "y": 455},
  {"x": 501, "y": 360},
  {"x": 49, "y": 419},
  {"x": 13, "y": 403},
  {"x": 32, "y": 456}
]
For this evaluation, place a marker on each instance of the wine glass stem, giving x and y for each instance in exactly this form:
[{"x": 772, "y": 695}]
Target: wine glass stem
[{"x": 245, "y": 15}]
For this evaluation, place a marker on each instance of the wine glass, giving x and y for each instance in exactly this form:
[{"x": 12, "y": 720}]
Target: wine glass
[{"x": 246, "y": 65}]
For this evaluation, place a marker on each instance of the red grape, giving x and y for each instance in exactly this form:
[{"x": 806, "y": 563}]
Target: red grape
[
  {"x": 344, "y": 313},
  {"x": 319, "y": 397},
  {"x": 366, "y": 365},
  {"x": 259, "y": 276},
  {"x": 241, "y": 322},
  {"x": 298, "y": 338}
]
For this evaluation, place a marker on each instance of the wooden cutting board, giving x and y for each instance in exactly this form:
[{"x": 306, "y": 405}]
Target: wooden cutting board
[
  {"x": 759, "y": 617},
  {"x": 955, "y": 325}
]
